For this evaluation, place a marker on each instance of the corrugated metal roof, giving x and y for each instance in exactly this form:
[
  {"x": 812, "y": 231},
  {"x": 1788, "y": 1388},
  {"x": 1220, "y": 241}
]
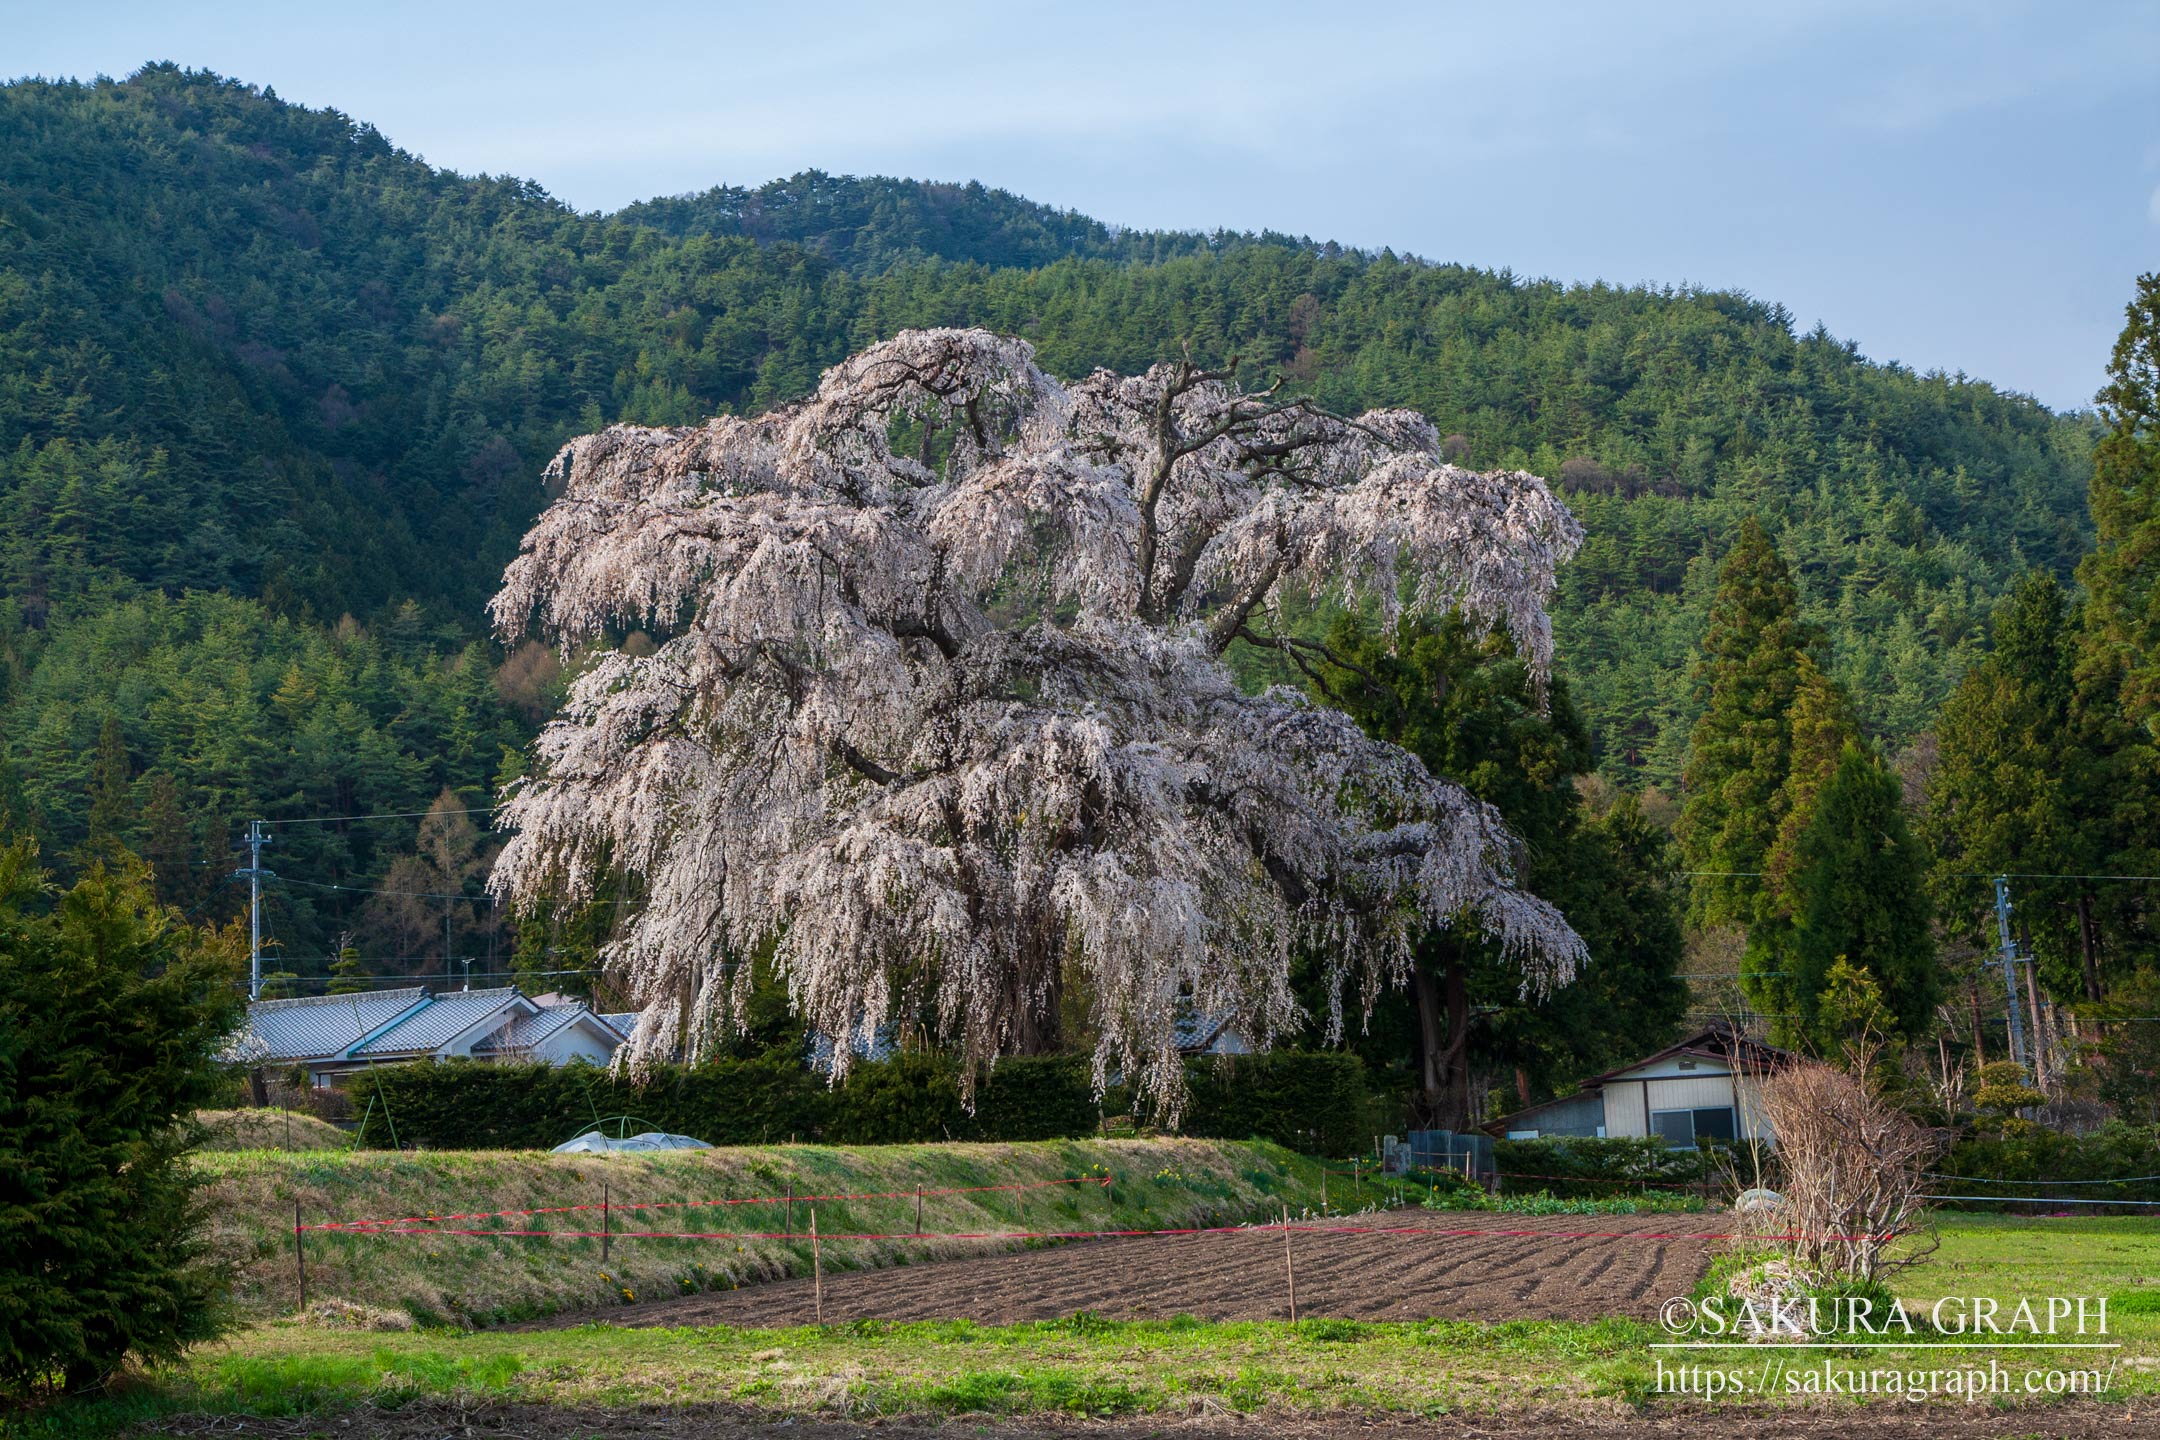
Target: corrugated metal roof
[
  {"x": 441, "y": 1021},
  {"x": 878, "y": 1047},
  {"x": 320, "y": 1026}
]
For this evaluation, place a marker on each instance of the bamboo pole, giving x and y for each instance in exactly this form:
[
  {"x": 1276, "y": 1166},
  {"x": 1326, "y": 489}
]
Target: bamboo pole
[
  {"x": 299, "y": 1254},
  {"x": 1289, "y": 1269},
  {"x": 817, "y": 1268}
]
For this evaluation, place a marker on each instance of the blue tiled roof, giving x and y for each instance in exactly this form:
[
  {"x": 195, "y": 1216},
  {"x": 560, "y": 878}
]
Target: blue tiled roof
[
  {"x": 878, "y": 1047},
  {"x": 322, "y": 1026},
  {"x": 442, "y": 1020},
  {"x": 526, "y": 1031}
]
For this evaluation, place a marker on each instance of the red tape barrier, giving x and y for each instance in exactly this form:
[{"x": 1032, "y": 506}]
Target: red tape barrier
[
  {"x": 1260, "y": 1229},
  {"x": 378, "y": 1226}
]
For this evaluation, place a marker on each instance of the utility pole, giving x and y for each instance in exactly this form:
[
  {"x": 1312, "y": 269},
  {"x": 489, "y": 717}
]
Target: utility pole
[
  {"x": 256, "y": 839},
  {"x": 2009, "y": 967}
]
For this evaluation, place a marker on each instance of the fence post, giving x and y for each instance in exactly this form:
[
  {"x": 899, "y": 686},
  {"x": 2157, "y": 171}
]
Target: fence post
[
  {"x": 817, "y": 1268},
  {"x": 1289, "y": 1269},
  {"x": 918, "y": 1212},
  {"x": 299, "y": 1254},
  {"x": 604, "y": 1235}
]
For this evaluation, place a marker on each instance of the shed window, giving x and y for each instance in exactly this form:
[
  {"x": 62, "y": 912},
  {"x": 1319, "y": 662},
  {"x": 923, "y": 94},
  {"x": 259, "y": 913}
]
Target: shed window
[{"x": 1689, "y": 1128}]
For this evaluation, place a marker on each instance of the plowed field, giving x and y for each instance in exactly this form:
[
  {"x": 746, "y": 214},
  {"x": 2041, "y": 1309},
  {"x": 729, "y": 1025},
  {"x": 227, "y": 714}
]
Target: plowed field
[{"x": 1447, "y": 1266}]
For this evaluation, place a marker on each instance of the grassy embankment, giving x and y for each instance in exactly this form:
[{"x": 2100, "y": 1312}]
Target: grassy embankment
[
  {"x": 467, "y": 1280},
  {"x": 270, "y": 1130}
]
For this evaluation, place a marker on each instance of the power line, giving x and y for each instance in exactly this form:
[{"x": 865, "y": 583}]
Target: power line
[
  {"x": 368, "y": 890},
  {"x": 385, "y": 815},
  {"x": 402, "y": 982},
  {"x": 421, "y": 894},
  {"x": 2036, "y": 875}
]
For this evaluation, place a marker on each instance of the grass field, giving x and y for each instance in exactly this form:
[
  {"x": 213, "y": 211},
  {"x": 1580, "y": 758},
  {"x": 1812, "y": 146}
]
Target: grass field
[{"x": 1090, "y": 1366}]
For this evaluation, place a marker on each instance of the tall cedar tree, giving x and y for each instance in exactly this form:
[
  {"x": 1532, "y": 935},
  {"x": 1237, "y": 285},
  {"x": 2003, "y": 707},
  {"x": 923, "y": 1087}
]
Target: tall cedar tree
[
  {"x": 2123, "y": 573},
  {"x": 1465, "y": 707},
  {"x": 1740, "y": 756},
  {"x": 109, "y": 1011},
  {"x": 1858, "y": 897},
  {"x": 2037, "y": 776},
  {"x": 1822, "y": 726}
]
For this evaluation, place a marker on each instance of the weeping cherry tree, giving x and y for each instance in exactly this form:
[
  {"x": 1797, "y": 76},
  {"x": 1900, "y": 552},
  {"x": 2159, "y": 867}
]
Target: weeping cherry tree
[{"x": 940, "y": 715}]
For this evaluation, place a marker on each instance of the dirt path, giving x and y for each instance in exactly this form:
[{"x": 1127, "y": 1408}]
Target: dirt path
[
  {"x": 433, "y": 1420},
  {"x": 1506, "y": 1267}
]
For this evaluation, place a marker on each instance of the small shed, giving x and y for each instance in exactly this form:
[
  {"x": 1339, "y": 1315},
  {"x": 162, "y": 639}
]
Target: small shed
[{"x": 1701, "y": 1087}]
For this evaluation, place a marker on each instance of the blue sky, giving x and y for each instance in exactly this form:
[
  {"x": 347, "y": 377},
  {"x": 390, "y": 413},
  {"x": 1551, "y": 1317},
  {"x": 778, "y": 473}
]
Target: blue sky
[{"x": 1968, "y": 187}]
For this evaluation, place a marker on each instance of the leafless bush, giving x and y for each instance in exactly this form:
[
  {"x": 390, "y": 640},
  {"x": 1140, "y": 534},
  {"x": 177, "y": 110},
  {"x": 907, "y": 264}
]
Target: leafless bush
[{"x": 1854, "y": 1175}]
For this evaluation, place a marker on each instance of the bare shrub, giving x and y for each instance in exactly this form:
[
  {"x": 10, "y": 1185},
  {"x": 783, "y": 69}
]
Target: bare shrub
[{"x": 1854, "y": 1175}]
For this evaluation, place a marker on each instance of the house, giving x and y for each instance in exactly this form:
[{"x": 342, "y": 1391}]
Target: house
[
  {"x": 1703, "y": 1087},
  {"x": 1202, "y": 1033},
  {"x": 334, "y": 1035}
]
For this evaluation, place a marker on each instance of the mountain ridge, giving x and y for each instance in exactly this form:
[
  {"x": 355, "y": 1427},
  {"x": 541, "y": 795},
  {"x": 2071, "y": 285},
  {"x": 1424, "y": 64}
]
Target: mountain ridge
[{"x": 253, "y": 347}]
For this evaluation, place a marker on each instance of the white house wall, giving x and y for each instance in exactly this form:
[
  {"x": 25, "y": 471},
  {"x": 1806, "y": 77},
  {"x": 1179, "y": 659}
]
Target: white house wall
[
  {"x": 1626, "y": 1114},
  {"x": 573, "y": 1042}
]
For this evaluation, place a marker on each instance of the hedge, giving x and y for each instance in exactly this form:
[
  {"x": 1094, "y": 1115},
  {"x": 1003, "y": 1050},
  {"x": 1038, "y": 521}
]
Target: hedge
[
  {"x": 1582, "y": 1165},
  {"x": 2037, "y": 1162},
  {"x": 1311, "y": 1102},
  {"x": 1315, "y": 1102}
]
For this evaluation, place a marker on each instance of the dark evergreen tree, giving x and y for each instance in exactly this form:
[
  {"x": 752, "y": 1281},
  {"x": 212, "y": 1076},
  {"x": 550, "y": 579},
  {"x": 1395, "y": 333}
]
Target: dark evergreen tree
[
  {"x": 1858, "y": 897},
  {"x": 111, "y": 816},
  {"x": 1739, "y": 761},
  {"x": 2012, "y": 789},
  {"x": 1465, "y": 706},
  {"x": 2039, "y": 776},
  {"x": 109, "y": 1012},
  {"x": 2123, "y": 573}
]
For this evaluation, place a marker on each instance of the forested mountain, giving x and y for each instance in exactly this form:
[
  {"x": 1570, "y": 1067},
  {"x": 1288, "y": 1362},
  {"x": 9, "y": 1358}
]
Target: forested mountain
[
  {"x": 872, "y": 224},
  {"x": 252, "y": 348}
]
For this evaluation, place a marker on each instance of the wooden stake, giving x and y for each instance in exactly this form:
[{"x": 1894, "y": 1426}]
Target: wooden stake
[
  {"x": 1289, "y": 1270},
  {"x": 604, "y": 1236},
  {"x": 918, "y": 1212},
  {"x": 789, "y": 1228},
  {"x": 1357, "y": 1176},
  {"x": 299, "y": 1254},
  {"x": 1323, "y": 1187},
  {"x": 817, "y": 1268}
]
